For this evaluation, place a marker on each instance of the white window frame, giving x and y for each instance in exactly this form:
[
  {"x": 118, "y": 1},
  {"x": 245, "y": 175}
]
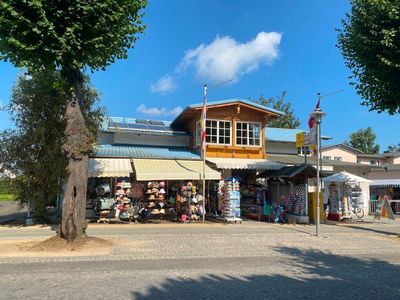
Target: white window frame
[
  {"x": 337, "y": 158},
  {"x": 327, "y": 157},
  {"x": 248, "y": 130},
  {"x": 300, "y": 151},
  {"x": 198, "y": 138}
]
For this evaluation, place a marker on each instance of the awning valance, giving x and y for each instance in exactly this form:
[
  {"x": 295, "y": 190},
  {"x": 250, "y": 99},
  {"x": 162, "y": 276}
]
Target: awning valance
[
  {"x": 172, "y": 169},
  {"x": 243, "y": 163},
  {"x": 109, "y": 167},
  {"x": 385, "y": 182}
]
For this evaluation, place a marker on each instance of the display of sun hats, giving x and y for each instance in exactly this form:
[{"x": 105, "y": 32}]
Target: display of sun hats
[
  {"x": 162, "y": 184},
  {"x": 156, "y": 185},
  {"x": 126, "y": 185},
  {"x": 148, "y": 192},
  {"x": 184, "y": 193},
  {"x": 152, "y": 204},
  {"x": 162, "y": 191},
  {"x": 161, "y": 197},
  {"x": 150, "y": 185},
  {"x": 160, "y": 205},
  {"x": 172, "y": 200},
  {"x": 194, "y": 189},
  {"x": 189, "y": 185},
  {"x": 154, "y": 190},
  {"x": 162, "y": 211},
  {"x": 155, "y": 212},
  {"x": 152, "y": 197},
  {"x": 194, "y": 200}
]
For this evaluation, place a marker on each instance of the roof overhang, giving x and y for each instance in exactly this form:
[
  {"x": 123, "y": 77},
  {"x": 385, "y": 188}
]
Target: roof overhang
[{"x": 243, "y": 163}]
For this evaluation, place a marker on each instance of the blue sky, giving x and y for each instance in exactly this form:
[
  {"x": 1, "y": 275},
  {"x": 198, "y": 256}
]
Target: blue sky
[{"x": 270, "y": 46}]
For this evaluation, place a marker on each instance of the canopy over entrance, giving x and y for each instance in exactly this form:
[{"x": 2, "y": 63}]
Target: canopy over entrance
[
  {"x": 172, "y": 169},
  {"x": 243, "y": 163},
  {"x": 344, "y": 177},
  {"x": 109, "y": 167}
]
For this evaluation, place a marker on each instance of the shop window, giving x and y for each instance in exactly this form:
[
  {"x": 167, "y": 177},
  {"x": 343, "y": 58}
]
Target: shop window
[
  {"x": 248, "y": 134},
  {"x": 326, "y": 157},
  {"x": 337, "y": 158},
  {"x": 304, "y": 150},
  {"x": 217, "y": 132}
]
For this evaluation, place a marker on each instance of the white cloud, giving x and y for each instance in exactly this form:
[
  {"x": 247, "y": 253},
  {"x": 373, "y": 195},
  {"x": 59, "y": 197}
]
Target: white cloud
[
  {"x": 226, "y": 59},
  {"x": 164, "y": 85},
  {"x": 157, "y": 112}
]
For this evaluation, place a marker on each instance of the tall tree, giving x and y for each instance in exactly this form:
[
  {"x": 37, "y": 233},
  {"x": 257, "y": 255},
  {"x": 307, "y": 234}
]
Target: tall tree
[
  {"x": 33, "y": 150},
  {"x": 364, "y": 140},
  {"x": 70, "y": 36},
  {"x": 370, "y": 44},
  {"x": 393, "y": 148},
  {"x": 289, "y": 120}
]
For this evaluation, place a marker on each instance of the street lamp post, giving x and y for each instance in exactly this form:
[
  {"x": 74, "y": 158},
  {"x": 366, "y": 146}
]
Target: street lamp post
[{"x": 318, "y": 114}]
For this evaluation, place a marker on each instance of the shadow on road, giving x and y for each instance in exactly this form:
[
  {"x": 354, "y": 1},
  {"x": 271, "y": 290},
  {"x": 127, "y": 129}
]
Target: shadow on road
[{"x": 318, "y": 275}]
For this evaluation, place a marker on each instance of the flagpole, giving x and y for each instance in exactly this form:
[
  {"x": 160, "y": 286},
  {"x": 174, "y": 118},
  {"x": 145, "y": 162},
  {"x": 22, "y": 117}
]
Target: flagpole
[{"x": 204, "y": 151}]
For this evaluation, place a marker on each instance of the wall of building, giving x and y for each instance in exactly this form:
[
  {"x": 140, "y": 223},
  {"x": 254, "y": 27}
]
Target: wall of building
[
  {"x": 382, "y": 174},
  {"x": 232, "y": 113},
  {"x": 339, "y": 152},
  {"x": 396, "y": 160},
  {"x": 155, "y": 140},
  {"x": 280, "y": 148},
  {"x": 367, "y": 160}
]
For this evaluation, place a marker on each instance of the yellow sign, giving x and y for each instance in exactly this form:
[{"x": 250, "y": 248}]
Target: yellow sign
[{"x": 299, "y": 139}]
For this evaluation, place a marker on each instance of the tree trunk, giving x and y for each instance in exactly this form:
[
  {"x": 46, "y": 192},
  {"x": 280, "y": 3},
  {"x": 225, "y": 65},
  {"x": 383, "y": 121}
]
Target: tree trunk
[{"x": 77, "y": 145}]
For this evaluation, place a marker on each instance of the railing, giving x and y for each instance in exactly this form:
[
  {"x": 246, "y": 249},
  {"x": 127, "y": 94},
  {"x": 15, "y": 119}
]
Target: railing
[{"x": 395, "y": 204}]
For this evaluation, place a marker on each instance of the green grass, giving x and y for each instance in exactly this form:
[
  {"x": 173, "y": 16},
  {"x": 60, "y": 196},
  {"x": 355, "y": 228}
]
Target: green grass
[
  {"x": 5, "y": 193},
  {"x": 6, "y": 197}
]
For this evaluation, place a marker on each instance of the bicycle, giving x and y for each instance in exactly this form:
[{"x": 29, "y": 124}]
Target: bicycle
[{"x": 358, "y": 211}]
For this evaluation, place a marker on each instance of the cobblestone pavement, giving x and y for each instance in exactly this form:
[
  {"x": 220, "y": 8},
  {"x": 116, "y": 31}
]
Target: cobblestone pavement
[{"x": 214, "y": 261}]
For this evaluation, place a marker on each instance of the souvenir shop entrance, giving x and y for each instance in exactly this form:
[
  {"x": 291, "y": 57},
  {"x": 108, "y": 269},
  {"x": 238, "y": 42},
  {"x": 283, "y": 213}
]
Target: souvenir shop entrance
[
  {"x": 152, "y": 190},
  {"x": 288, "y": 193},
  {"x": 385, "y": 189}
]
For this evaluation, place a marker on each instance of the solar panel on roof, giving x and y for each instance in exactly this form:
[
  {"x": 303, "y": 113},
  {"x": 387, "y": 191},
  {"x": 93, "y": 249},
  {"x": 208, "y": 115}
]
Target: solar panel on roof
[
  {"x": 156, "y": 127},
  {"x": 137, "y": 126},
  {"x": 154, "y": 122},
  {"x": 121, "y": 125},
  {"x": 142, "y": 121}
]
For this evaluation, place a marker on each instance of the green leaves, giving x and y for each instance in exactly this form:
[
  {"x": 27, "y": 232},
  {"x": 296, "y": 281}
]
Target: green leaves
[
  {"x": 370, "y": 44},
  {"x": 76, "y": 34},
  {"x": 364, "y": 140},
  {"x": 289, "y": 120}
]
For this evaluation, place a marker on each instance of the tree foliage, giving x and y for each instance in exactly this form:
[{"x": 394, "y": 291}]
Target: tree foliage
[
  {"x": 70, "y": 36},
  {"x": 33, "y": 150},
  {"x": 364, "y": 140},
  {"x": 370, "y": 44},
  {"x": 289, "y": 120},
  {"x": 393, "y": 148}
]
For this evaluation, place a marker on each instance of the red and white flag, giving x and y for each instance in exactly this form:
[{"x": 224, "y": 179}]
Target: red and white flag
[
  {"x": 311, "y": 120},
  {"x": 203, "y": 124}
]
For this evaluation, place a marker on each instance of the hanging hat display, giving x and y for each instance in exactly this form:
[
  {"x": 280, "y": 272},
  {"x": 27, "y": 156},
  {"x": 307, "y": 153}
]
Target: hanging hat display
[
  {"x": 162, "y": 211},
  {"x": 152, "y": 204},
  {"x": 152, "y": 197},
  {"x": 162, "y": 184},
  {"x": 155, "y": 212},
  {"x": 150, "y": 185},
  {"x": 171, "y": 200},
  {"x": 148, "y": 192},
  {"x": 162, "y": 191}
]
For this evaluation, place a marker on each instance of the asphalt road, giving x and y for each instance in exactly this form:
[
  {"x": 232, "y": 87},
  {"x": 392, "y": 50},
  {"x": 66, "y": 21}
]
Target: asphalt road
[{"x": 248, "y": 261}]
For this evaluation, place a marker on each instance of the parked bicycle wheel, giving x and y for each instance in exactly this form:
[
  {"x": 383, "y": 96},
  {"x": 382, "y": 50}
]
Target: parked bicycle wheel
[{"x": 359, "y": 212}]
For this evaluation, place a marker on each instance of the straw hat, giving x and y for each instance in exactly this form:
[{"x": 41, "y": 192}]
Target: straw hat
[
  {"x": 148, "y": 192},
  {"x": 189, "y": 184},
  {"x": 162, "y": 191},
  {"x": 155, "y": 212},
  {"x": 152, "y": 197},
  {"x": 161, "y": 197},
  {"x": 162, "y": 211},
  {"x": 152, "y": 204},
  {"x": 154, "y": 190},
  {"x": 150, "y": 185}
]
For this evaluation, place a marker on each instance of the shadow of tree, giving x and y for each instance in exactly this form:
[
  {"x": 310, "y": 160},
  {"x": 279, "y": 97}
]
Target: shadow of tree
[{"x": 308, "y": 274}]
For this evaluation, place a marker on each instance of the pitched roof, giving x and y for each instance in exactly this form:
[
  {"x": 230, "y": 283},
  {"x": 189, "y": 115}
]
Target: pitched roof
[
  {"x": 227, "y": 102},
  {"x": 342, "y": 145}
]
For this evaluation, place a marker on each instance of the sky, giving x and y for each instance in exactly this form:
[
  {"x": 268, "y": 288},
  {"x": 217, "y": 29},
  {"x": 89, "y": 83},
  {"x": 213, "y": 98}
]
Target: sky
[{"x": 260, "y": 47}]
